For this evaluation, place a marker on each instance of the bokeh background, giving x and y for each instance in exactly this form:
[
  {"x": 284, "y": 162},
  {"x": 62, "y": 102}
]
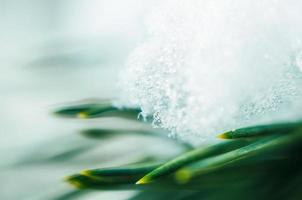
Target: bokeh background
[{"x": 53, "y": 52}]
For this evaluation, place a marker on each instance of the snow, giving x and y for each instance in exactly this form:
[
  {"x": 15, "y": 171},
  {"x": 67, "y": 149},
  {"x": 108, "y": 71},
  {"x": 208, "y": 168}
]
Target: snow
[{"x": 210, "y": 66}]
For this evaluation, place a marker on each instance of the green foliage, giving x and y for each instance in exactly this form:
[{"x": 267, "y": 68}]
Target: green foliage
[
  {"x": 111, "y": 176},
  {"x": 256, "y": 162},
  {"x": 102, "y": 108},
  {"x": 262, "y": 130}
]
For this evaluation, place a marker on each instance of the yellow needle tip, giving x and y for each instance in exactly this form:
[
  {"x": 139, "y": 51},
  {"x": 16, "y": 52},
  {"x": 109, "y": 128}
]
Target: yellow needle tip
[
  {"x": 73, "y": 182},
  {"x": 85, "y": 172},
  {"x": 183, "y": 176},
  {"x": 143, "y": 181},
  {"x": 223, "y": 136},
  {"x": 82, "y": 115}
]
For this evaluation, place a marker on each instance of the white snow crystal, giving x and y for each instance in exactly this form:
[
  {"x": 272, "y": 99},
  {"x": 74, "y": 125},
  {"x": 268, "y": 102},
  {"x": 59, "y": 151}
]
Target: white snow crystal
[{"x": 211, "y": 66}]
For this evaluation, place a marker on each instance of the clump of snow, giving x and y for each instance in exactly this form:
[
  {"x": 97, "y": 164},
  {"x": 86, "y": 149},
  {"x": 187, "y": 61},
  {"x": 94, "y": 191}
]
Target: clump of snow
[{"x": 211, "y": 66}]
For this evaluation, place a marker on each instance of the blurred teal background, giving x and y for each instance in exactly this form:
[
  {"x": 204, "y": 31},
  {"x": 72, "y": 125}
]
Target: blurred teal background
[{"x": 52, "y": 52}]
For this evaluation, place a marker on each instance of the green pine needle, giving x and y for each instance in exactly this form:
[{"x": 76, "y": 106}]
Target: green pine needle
[
  {"x": 99, "y": 133},
  {"x": 103, "y": 108},
  {"x": 128, "y": 170},
  {"x": 189, "y": 157},
  {"x": 96, "y": 178},
  {"x": 264, "y": 158},
  {"x": 262, "y": 130},
  {"x": 261, "y": 146}
]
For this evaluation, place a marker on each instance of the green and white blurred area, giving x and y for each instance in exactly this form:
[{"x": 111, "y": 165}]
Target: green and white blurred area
[
  {"x": 186, "y": 119},
  {"x": 53, "y": 52}
]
